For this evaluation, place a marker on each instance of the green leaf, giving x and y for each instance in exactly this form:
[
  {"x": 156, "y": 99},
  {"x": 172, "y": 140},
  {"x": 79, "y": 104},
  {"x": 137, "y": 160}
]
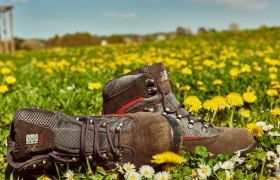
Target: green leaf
[
  {"x": 100, "y": 170},
  {"x": 201, "y": 151}
]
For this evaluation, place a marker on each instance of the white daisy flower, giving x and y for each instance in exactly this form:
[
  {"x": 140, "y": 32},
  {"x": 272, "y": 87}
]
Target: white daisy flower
[
  {"x": 217, "y": 166},
  {"x": 237, "y": 159},
  {"x": 69, "y": 175},
  {"x": 133, "y": 175},
  {"x": 227, "y": 165},
  {"x": 270, "y": 154},
  {"x": 204, "y": 171},
  {"x": 277, "y": 162},
  {"x": 267, "y": 127},
  {"x": 273, "y": 133},
  {"x": 248, "y": 166},
  {"x": 278, "y": 149},
  {"x": 128, "y": 167},
  {"x": 229, "y": 174},
  {"x": 261, "y": 123},
  {"x": 147, "y": 171},
  {"x": 161, "y": 175}
]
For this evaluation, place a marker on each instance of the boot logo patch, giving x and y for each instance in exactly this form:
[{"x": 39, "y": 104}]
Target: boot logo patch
[
  {"x": 164, "y": 75},
  {"x": 31, "y": 142}
]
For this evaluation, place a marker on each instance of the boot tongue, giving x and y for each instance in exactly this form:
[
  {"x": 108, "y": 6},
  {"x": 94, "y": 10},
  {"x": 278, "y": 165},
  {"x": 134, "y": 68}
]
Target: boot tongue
[{"x": 158, "y": 70}]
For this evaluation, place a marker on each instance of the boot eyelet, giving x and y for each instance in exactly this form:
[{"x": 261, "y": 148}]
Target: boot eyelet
[
  {"x": 91, "y": 121},
  {"x": 148, "y": 109},
  {"x": 179, "y": 116},
  {"x": 205, "y": 127},
  {"x": 152, "y": 90},
  {"x": 90, "y": 157},
  {"x": 104, "y": 156},
  {"x": 149, "y": 82},
  {"x": 61, "y": 166},
  {"x": 167, "y": 109},
  {"x": 44, "y": 162},
  {"x": 34, "y": 165},
  {"x": 178, "y": 120},
  {"x": 104, "y": 124},
  {"x": 74, "y": 159},
  {"x": 190, "y": 125}
]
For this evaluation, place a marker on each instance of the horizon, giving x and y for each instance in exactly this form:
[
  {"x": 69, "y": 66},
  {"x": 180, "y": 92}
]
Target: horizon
[{"x": 43, "y": 19}]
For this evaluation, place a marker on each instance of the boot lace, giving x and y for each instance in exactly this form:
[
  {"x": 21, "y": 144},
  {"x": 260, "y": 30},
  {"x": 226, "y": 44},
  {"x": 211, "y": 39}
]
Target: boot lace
[
  {"x": 97, "y": 153},
  {"x": 189, "y": 116}
]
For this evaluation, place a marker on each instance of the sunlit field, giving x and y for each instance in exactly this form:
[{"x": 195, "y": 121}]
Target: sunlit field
[{"x": 228, "y": 78}]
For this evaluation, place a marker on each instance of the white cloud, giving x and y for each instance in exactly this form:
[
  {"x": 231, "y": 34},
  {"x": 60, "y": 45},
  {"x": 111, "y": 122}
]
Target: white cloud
[
  {"x": 237, "y": 4},
  {"x": 125, "y": 15}
]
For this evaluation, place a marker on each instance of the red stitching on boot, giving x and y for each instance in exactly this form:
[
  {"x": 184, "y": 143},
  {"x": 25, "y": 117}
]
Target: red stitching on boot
[
  {"x": 191, "y": 137},
  {"x": 127, "y": 105}
]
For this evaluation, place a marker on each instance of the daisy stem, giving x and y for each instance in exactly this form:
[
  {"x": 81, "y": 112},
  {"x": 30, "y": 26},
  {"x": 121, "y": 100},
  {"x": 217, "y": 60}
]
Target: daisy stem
[
  {"x": 263, "y": 166},
  {"x": 231, "y": 119}
]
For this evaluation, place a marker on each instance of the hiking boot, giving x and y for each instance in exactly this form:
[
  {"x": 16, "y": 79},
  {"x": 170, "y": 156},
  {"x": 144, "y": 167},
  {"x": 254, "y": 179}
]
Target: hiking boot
[
  {"x": 39, "y": 139},
  {"x": 148, "y": 89}
]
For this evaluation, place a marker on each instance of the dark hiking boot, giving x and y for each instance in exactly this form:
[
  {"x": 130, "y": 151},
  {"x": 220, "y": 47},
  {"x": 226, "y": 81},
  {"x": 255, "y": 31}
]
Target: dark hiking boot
[
  {"x": 148, "y": 89},
  {"x": 40, "y": 139}
]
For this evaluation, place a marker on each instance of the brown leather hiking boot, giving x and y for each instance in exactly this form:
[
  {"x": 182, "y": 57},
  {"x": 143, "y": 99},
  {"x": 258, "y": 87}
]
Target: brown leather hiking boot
[
  {"x": 40, "y": 139},
  {"x": 148, "y": 89}
]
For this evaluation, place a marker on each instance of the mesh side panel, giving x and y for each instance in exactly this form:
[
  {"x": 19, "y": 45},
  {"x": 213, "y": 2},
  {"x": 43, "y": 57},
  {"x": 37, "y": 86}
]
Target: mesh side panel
[{"x": 36, "y": 116}]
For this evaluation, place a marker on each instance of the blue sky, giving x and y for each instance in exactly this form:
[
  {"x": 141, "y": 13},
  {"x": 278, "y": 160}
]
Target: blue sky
[{"x": 45, "y": 18}]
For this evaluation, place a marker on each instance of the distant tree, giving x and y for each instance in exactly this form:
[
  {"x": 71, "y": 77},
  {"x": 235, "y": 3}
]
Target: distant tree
[
  {"x": 180, "y": 31},
  {"x": 116, "y": 39},
  {"x": 202, "y": 30},
  {"x": 233, "y": 26},
  {"x": 32, "y": 44}
]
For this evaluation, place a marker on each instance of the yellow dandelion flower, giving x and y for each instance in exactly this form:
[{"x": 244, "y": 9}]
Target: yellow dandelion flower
[
  {"x": 167, "y": 157},
  {"x": 208, "y": 63},
  {"x": 10, "y": 80},
  {"x": 257, "y": 68},
  {"x": 245, "y": 68},
  {"x": 274, "y": 83},
  {"x": 246, "y": 113},
  {"x": 185, "y": 88},
  {"x": 272, "y": 92},
  {"x": 199, "y": 83},
  {"x": 94, "y": 69},
  {"x": 193, "y": 103},
  {"x": 221, "y": 101},
  {"x": 272, "y": 69},
  {"x": 44, "y": 177},
  {"x": 187, "y": 71},
  {"x": 277, "y": 86},
  {"x": 211, "y": 105},
  {"x": 235, "y": 63},
  {"x": 234, "y": 72},
  {"x": 254, "y": 129},
  {"x": 3, "y": 88},
  {"x": 275, "y": 112},
  {"x": 217, "y": 82},
  {"x": 202, "y": 88},
  {"x": 5, "y": 70},
  {"x": 272, "y": 76},
  {"x": 49, "y": 70},
  {"x": 249, "y": 97},
  {"x": 234, "y": 99},
  {"x": 94, "y": 85},
  {"x": 198, "y": 68},
  {"x": 125, "y": 71}
]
